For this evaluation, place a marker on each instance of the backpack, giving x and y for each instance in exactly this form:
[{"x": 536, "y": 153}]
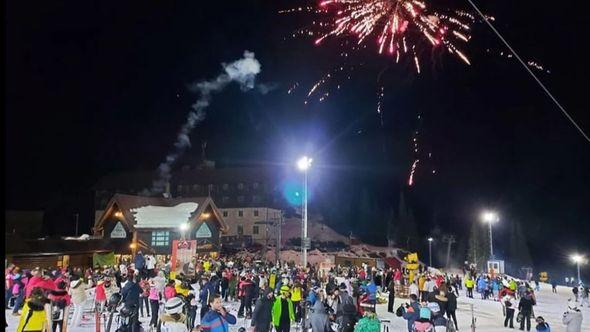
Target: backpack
[
  {"x": 400, "y": 311},
  {"x": 57, "y": 310}
]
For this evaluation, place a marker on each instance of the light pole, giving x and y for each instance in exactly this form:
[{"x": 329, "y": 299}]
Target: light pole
[
  {"x": 430, "y": 251},
  {"x": 490, "y": 218},
  {"x": 304, "y": 163},
  {"x": 578, "y": 259}
]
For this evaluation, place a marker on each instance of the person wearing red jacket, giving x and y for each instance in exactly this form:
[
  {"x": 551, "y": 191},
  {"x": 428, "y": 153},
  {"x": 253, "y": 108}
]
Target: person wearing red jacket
[
  {"x": 60, "y": 302},
  {"x": 100, "y": 296},
  {"x": 245, "y": 294}
]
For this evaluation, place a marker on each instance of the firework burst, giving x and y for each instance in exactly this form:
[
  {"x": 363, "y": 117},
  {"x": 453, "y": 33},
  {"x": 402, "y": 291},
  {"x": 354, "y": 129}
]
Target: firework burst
[{"x": 398, "y": 27}]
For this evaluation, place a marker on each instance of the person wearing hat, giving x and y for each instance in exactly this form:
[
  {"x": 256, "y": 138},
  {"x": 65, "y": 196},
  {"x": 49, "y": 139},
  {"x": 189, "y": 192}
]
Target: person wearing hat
[
  {"x": 283, "y": 312},
  {"x": 173, "y": 320},
  {"x": 572, "y": 318},
  {"x": 296, "y": 298}
]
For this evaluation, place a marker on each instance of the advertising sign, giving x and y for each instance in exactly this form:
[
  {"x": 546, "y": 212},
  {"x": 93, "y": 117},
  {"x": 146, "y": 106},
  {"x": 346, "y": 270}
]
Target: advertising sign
[
  {"x": 203, "y": 232},
  {"x": 118, "y": 232},
  {"x": 183, "y": 253}
]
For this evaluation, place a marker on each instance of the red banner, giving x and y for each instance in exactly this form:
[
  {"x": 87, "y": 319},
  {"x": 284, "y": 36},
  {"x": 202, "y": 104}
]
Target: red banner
[{"x": 183, "y": 253}]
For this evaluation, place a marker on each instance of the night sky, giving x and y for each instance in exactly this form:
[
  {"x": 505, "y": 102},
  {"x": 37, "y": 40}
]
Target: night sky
[{"x": 95, "y": 87}]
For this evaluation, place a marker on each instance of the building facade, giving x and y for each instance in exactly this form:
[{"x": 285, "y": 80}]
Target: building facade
[
  {"x": 249, "y": 198},
  {"x": 259, "y": 223},
  {"x": 151, "y": 224}
]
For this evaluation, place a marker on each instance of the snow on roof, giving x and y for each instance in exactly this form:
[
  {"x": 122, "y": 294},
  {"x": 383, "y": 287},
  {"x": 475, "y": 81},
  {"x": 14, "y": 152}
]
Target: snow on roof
[{"x": 151, "y": 216}]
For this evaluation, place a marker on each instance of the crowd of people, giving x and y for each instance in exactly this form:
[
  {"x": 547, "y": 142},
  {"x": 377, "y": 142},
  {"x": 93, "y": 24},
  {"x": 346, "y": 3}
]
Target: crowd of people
[{"x": 342, "y": 299}]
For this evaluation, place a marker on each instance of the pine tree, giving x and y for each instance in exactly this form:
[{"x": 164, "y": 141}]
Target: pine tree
[{"x": 478, "y": 251}]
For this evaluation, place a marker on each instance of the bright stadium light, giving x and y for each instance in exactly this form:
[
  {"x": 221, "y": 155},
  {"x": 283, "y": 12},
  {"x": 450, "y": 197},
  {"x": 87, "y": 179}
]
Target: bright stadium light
[
  {"x": 304, "y": 163},
  {"x": 490, "y": 217}
]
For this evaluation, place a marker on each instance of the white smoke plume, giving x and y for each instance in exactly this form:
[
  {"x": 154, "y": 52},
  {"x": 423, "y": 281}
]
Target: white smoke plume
[{"x": 243, "y": 72}]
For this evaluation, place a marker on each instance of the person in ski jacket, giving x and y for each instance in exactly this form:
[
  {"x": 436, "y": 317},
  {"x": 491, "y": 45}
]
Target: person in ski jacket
[
  {"x": 572, "y": 318},
  {"x": 346, "y": 322},
  {"x": 469, "y": 284},
  {"x": 452, "y": 308},
  {"x": 100, "y": 296},
  {"x": 217, "y": 319},
  {"x": 245, "y": 293},
  {"x": 169, "y": 290},
  {"x": 36, "y": 313},
  {"x": 438, "y": 320},
  {"x": 525, "y": 307},
  {"x": 78, "y": 297},
  {"x": 412, "y": 312},
  {"x": 423, "y": 323},
  {"x": 155, "y": 296},
  {"x": 173, "y": 319},
  {"x": 262, "y": 315},
  {"x": 60, "y": 303},
  {"x": 542, "y": 325},
  {"x": 283, "y": 312},
  {"x": 139, "y": 262},
  {"x": 296, "y": 298},
  {"x": 508, "y": 303},
  {"x": 318, "y": 318}
]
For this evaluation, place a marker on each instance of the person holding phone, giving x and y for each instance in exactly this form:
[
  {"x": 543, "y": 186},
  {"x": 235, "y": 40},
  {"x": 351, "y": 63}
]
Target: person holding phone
[{"x": 217, "y": 319}]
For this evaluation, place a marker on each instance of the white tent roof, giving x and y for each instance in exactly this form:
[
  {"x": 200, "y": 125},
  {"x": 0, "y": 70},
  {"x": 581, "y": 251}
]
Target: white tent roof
[{"x": 163, "y": 216}]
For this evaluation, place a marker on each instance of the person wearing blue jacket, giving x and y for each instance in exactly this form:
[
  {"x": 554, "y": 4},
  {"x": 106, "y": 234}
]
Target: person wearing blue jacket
[
  {"x": 312, "y": 296},
  {"x": 482, "y": 287},
  {"x": 207, "y": 293},
  {"x": 217, "y": 319},
  {"x": 495, "y": 288},
  {"x": 371, "y": 289},
  {"x": 412, "y": 312}
]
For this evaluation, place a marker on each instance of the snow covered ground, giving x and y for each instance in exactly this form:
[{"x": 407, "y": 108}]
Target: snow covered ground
[{"x": 488, "y": 313}]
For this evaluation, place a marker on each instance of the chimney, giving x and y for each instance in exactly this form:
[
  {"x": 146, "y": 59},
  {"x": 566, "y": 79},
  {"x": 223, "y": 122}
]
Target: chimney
[{"x": 167, "y": 190}]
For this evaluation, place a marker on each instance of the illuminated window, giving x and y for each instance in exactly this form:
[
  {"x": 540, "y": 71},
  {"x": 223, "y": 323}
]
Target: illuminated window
[{"x": 160, "y": 238}]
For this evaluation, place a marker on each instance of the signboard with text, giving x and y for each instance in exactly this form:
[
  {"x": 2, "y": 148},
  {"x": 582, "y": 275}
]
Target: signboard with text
[{"x": 183, "y": 253}]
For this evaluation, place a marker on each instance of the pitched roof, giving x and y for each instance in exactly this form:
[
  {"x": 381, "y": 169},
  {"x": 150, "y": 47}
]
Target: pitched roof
[{"x": 130, "y": 204}]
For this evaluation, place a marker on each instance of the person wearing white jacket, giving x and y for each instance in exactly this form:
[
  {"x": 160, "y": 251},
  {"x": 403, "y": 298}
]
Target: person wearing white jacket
[
  {"x": 78, "y": 297},
  {"x": 572, "y": 318}
]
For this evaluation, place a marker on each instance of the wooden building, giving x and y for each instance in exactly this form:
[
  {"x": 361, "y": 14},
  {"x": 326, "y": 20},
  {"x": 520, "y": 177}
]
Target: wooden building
[{"x": 151, "y": 224}]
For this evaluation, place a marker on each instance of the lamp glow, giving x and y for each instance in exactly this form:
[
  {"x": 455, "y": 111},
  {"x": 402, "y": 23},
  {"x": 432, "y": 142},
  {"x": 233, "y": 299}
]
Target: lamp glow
[{"x": 304, "y": 163}]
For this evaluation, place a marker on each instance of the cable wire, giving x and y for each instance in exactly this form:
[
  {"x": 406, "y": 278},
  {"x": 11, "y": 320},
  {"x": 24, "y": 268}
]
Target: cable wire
[{"x": 530, "y": 72}]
